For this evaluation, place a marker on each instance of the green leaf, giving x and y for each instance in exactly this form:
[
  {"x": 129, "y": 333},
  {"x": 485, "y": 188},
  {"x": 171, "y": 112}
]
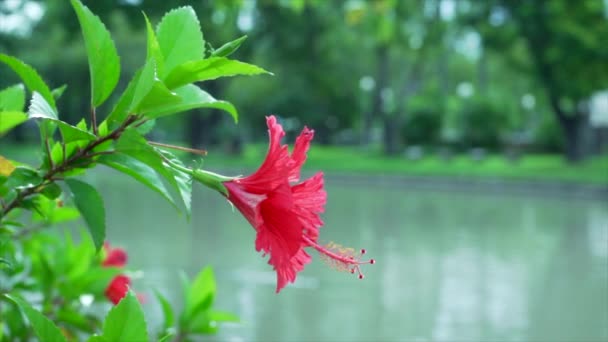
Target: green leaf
[
  {"x": 30, "y": 77},
  {"x": 12, "y": 98},
  {"x": 44, "y": 328},
  {"x": 126, "y": 322},
  {"x": 167, "y": 337},
  {"x": 9, "y": 120},
  {"x": 138, "y": 170},
  {"x": 153, "y": 48},
  {"x": 57, "y": 92},
  {"x": 228, "y": 48},
  {"x": 90, "y": 204},
  {"x": 23, "y": 177},
  {"x": 104, "y": 63},
  {"x": 183, "y": 181},
  {"x": 136, "y": 146},
  {"x": 121, "y": 109},
  {"x": 146, "y": 127},
  {"x": 209, "y": 69},
  {"x": 40, "y": 109},
  {"x": 51, "y": 191},
  {"x": 193, "y": 97},
  {"x": 150, "y": 91},
  {"x": 222, "y": 316},
  {"x": 167, "y": 310},
  {"x": 180, "y": 38},
  {"x": 200, "y": 294}
]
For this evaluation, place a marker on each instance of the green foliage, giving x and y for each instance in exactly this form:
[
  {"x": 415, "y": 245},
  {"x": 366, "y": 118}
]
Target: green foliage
[
  {"x": 209, "y": 69},
  {"x": 198, "y": 315},
  {"x": 90, "y": 204},
  {"x": 30, "y": 77},
  {"x": 180, "y": 38},
  {"x": 104, "y": 64},
  {"x": 45, "y": 329},
  {"x": 482, "y": 124},
  {"x": 422, "y": 127},
  {"x": 12, "y": 101},
  {"x": 125, "y": 322},
  {"x": 193, "y": 97},
  {"x": 63, "y": 273}
]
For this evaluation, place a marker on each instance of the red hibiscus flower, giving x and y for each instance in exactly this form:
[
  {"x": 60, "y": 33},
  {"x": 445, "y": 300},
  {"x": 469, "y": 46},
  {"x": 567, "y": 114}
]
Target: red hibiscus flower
[
  {"x": 118, "y": 288},
  {"x": 285, "y": 213},
  {"x": 114, "y": 257}
]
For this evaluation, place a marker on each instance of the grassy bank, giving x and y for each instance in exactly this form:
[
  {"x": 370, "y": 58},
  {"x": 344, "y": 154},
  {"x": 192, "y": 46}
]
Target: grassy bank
[{"x": 353, "y": 160}]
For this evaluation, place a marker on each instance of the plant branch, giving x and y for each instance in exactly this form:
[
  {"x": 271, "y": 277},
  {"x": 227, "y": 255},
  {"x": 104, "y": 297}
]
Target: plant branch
[{"x": 67, "y": 165}]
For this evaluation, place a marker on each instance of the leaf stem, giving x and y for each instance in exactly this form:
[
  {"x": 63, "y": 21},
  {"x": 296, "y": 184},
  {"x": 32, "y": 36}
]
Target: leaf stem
[
  {"x": 48, "y": 151},
  {"x": 179, "y": 148},
  {"x": 94, "y": 120}
]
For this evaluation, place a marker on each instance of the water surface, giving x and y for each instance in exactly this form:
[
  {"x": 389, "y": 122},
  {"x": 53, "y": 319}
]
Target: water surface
[{"x": 450, "y": 266}]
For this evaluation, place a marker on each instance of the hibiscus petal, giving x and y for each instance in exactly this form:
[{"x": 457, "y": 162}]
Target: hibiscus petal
[
  {"x": 309, "y": 200},
  {"x": 280, "y": 223},
  {"x": 298, "y": 155},
  {"x": 276, "y": 166},
  {"x": 287, "y": 274}
]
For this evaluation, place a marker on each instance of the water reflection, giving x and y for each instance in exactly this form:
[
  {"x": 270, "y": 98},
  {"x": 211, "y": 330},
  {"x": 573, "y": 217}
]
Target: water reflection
[{"x": 451, "y": 267}]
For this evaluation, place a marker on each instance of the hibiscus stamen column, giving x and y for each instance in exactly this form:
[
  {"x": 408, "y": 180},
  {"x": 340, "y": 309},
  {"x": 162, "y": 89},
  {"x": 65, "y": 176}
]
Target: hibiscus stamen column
[{"x": 341, "y": 258}]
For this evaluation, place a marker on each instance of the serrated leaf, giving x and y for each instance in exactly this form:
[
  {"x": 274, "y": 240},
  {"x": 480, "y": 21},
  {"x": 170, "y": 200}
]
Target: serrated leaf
[
  {"x": 167, "y": 310},
  {"x": 153, "y": 50},
  {"x": 201, "y": 293},
  {"x": 6, "y": 167},
  {"x": 228, "y": 48},
  {"x": 44, "y": 328},
  {"x": 193, "y": 97},
  {"x": 138, "y": 170},
  {"x": 30, "y": 77},
  {"x": 126, "y": 322},
  {"x": 12, "y": 98},
  {"x": 90, "y": 204},
  {"x": 10, "y": 120},
  {"x": 104, "y": 63},
  {"x": 40, "y": 109},
  {"x": 209, "y": 69},
  {"x": 180, "y": 38}
]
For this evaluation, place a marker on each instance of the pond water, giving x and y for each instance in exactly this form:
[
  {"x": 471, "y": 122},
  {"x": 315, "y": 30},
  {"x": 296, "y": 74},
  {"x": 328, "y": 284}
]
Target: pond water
[{"x": 450, "y": 266}]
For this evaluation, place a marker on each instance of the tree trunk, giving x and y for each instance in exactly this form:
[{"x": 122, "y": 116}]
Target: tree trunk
[
  {"x": 382, "y": 76},
  {"x": 392, "y": 137},
  {"x": 573, "y": 127}
]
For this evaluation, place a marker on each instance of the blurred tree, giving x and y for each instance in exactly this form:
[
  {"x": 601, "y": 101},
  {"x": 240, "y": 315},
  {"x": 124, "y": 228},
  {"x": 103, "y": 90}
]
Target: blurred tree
[
  {"x": 566, "y": 46},
  {"x": 405, "y": 37},
  {"x": 305, "y": 45}
]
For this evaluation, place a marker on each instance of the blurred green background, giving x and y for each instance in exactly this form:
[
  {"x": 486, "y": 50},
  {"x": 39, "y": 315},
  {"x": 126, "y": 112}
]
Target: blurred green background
[{"x": 466, "y": 144}]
